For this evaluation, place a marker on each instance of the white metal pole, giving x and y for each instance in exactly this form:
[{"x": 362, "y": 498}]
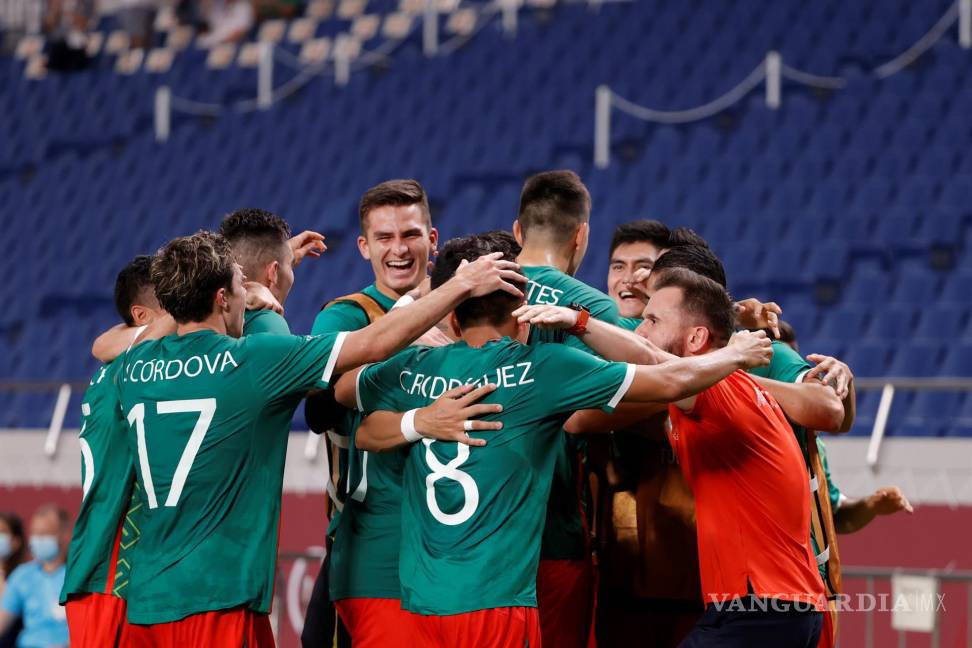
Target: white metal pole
[
  {"x": 163, "y": 113},
  {"x": 310, "y": 447},
  {"x": 511, "y": 11},
  {"x": 265, "y": 77},
  {"x": 965, "y": 23},
  {"x": 880, "y": 424},
  {"x": 57, "y": 420},
  {"x": 602, "y": 127},
  {"x": 430, "y": 29},
  {"x": 774, "y": 69}
]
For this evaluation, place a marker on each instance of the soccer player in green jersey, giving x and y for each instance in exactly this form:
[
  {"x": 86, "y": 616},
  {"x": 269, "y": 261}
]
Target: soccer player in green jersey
[
  {"x": 360, "y": 571},
  {"x": 472, "y": 517},
  {"x": 634, "y": 246},
  {"x": 209, "y": 416},
  {"x": 94, "y": 584},
  {"x": 263, "y": 246}
]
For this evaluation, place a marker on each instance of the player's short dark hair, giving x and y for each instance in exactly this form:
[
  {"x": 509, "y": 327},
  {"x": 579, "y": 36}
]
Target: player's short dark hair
[
  {"x": 494, "y": 308},
  {"x": 257, "y": 237},
  {"x": 697, "y": 258},
  {"x": 703, "y": 298},
  {"x": 188, "y": 271},
  {"x": 502, "y": 241},
  {"x": 393, "y": 193},
  {"x": 641, "y": 231},
  {"x": 131, "y": 285},
  {"x": 16, "y": 526},
  {"x": 555, "y": 202},
  {"x": 685, "y": 236}
]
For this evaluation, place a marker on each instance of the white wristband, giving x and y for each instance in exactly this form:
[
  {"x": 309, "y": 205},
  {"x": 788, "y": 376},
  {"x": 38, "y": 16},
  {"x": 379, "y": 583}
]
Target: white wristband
[
  {"x": 408, "y": 426},
  {"x": 404, "y": 300}
]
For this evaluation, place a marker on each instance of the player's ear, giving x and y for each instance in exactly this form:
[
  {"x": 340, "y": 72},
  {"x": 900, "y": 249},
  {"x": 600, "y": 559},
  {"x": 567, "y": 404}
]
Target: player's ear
[
  {"x": 580, "y": 238},
  {"x": 698, "y": 339},
  {"x": 454, "y": 324},
  {"x": 518, "y": 232},
  {"x": 272, "y": 272},
  {"x": 434, "y": 237},
  {"x": 363, "y": 248},
  {"x": 140, "y": 314}
]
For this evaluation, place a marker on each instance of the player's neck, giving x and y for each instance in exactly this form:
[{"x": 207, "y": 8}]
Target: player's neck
[
  {"x": 478, "y": 335},
  {"x": 212, "y": 323},
  {"x": 391, "y": 293},
  {"x": 539, "y": 255}
]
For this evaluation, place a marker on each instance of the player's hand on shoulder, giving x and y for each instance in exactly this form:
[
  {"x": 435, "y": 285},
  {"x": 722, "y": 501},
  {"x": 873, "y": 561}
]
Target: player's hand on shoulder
[
  {"x": 832, "y": 372},
  {"x": 490, "y": 273},
  {"x": 259, "y": 297},
  {"x": 546, "y": 316},
  {"x": 754, "y": 348},
  {"x": 307, "y": 243},
  {"x": 754, "y": 314},
  {"x": 452, "y": 416}
]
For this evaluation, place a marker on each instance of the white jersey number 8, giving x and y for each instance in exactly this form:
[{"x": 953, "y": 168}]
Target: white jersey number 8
[
  {"x": 451, "y": 471},
  {"x": 206, "y": 407}
]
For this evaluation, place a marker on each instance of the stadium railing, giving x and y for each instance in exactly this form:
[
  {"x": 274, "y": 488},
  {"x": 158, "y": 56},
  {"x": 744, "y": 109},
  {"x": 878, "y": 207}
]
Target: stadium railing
[{"x": 770, "y": 72}]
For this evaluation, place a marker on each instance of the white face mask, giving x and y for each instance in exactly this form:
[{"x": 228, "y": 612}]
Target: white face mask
[{"x": 6, "y": 545}]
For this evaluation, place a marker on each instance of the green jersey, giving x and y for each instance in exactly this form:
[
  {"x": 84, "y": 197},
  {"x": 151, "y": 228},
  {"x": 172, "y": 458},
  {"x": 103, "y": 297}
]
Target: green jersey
[
  {"x": 833, "y": 490},
  {"x": 630, "y": 323},
  {"x": 470, "y": 514},
  {"x": 564, "y": 534},
  {"x": 209, "y": 417},
  {"x": 367, "y": 533},
  {"x": 107, "y": 476},
  {"x": 264, "y": 321}
]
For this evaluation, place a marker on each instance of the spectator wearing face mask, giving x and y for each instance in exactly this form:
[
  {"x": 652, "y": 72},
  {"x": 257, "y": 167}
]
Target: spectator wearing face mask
[
  {"x": 31, "y": 590},
  {"x": 13, "y": 552}
]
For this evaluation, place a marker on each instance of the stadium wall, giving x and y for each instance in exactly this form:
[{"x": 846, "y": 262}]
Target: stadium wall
[{"x": 935, "y": 474}]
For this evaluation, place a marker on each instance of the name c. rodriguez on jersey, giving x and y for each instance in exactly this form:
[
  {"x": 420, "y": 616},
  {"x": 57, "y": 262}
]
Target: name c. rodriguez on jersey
[
  {"x": 429, "y": 386},
  {"x": 155, "y": 370}
]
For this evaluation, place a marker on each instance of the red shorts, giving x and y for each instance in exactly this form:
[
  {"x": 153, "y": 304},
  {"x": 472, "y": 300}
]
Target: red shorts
[
  {"x": 95, "y": 620},
  {"x": 219, "y": 629},
  {"x": 565, "y": 598},
  {"x": 376, "y": 622},
  {"x": 509, "y": 627}
]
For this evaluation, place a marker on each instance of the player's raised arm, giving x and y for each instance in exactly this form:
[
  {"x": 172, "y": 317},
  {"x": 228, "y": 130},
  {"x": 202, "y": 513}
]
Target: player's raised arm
[
  {"x": 397, "y": 329},
  {"x": 810, "y": 403},
  {"x": 609, "y": 341},
  {"x": 684, "y": 377}
]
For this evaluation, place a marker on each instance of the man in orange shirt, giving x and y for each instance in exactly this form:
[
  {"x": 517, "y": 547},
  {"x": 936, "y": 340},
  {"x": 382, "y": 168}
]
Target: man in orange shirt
[{"x": 759, "y": 578}]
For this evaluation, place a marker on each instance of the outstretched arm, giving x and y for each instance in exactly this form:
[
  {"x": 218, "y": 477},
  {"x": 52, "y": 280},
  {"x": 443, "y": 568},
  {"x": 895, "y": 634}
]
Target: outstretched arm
[
  {"x": 449, "y": 418},
  {"x": 810, "y": 403},
  {"x": 119, "y": 338},
  {"x": 624, "y": 416},
  {"x": 609, "y": 341},
  {"x": 681, "y": 379},
  {"x": 854, "y": 515},
  {"x": 399, "y": 328}
]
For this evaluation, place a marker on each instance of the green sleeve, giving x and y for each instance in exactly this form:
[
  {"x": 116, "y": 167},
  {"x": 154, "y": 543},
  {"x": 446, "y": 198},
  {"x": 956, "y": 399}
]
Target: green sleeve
[
  {"x": 265, "y": 321},
  {"x": 604, "y": 309},
  {"x": 379, "y": 386},
  {"x": 786, "y": 365},
  {"x": 288, "y": 365},
  {"x": 834, "y": 492},
  {"x": 342, "y": 316},
  {"x": 583, "y": 381}
]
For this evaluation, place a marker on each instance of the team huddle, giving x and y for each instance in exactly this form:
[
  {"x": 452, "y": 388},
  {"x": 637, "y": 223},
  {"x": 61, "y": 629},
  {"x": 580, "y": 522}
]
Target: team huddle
[{"x": 467, "y": 401}]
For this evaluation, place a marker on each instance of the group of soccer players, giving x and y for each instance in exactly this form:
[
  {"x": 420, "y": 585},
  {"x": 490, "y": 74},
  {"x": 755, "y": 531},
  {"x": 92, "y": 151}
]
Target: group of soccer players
[{"x": 470, "y": 400}]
